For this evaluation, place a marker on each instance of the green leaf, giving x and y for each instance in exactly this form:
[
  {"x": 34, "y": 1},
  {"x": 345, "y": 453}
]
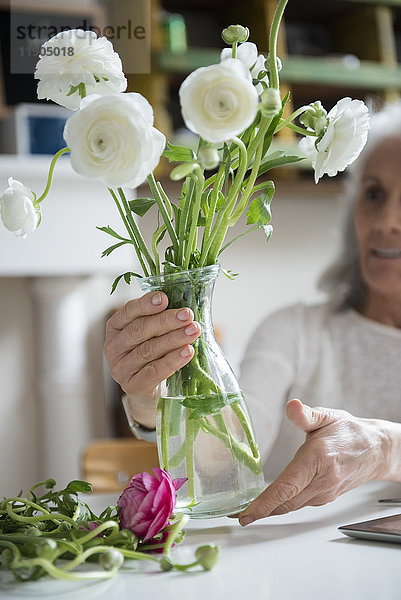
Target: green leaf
[
  {"x": 78, "y": 486},
  {"x": 113, "y": 233},
  {"x": 178, "y": 153},
  {"x": 127, "y": 278},
  {"x": 203, "y": 405},
  {"x": 110, "y": 249},
  {"x": 228, "y": 273},
  {"x": 205, "y": 202},
  {"x": 272, "y": 163},
  {"x": 140, "y": 206},
  {"x": 220, "y": 201},
  {"x": 201, "y": 221},
  {"x": 158, "y": 235},
  {"x": 259, "y": 209}
]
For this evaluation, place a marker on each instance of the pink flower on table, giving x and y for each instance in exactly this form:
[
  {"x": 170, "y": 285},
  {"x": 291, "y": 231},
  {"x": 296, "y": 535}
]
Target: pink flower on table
[{"x": 147, "y": 503}]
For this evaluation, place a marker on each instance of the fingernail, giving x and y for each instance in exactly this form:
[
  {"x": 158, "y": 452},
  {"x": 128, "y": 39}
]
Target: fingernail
[
  {"x": 156, "y": 299},
  {"x": 183, "y": 315},
  {"x": 247, "y": 520},
  {"x": 185, "y": 352},
  {"x": 191, "y": 329}
]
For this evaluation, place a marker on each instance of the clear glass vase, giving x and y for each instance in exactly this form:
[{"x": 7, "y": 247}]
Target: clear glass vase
[{"x": 204, "y": 431}]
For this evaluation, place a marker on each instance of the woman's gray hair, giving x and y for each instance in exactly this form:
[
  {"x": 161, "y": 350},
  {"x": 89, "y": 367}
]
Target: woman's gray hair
[{"x": 343, "y": 279}]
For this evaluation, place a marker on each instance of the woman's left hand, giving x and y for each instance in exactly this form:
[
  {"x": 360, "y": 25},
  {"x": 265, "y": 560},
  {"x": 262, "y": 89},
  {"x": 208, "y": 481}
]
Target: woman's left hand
[{"x": 340, "y": 452}]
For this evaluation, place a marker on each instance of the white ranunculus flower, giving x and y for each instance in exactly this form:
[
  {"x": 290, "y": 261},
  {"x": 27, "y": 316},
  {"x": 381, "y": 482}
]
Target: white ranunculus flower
[
  {"x": 219, "y": 102},
  {"x": 76, "y": 57},
  {"x": 17, "y": 209},
  {"x": 343, "y": 140},
  {"x": 248, "y": 54},
  {"x": 112, "y": 139}
]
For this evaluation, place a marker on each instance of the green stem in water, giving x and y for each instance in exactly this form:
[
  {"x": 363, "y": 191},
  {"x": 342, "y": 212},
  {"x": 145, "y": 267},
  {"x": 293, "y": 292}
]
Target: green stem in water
[
  {"x": 240, "y": 452},
  {"x": 189, "y": 453},
  {"x": 165, "y": 431},
  {"x": 50, "y": 175},
  {"x": 246, "y": 427}
]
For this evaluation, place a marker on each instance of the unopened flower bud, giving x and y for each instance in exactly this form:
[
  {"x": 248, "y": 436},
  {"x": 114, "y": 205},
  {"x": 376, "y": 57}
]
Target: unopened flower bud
[
  {"x": 320, "y": 125},
  {"x": 315, "y": 117},
  {"x": 112, "y": 559},
  {"x": 130, "y": 539},
  {"x": 235, "y": 33},
  {"x": 208, "y": 157},
  {"x": 32, "y": 530},
  {"x": 7, "y": 558},
  {"x": 183, "y": 171},
  {"x": 47, "y": 549},
  {"x": 279, "y": 64},
  {"x": 271, "y": 101},
  {"x": 207, "y": 556}
]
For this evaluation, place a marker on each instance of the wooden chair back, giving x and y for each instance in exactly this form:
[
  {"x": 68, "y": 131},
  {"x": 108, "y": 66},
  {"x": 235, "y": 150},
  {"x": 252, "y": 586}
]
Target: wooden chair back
[{"x": 109, "y": 464}]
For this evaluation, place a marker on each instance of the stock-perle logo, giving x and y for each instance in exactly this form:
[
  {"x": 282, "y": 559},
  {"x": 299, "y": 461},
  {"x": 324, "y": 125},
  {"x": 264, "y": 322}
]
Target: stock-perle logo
[{"x": 129, "y": 31}]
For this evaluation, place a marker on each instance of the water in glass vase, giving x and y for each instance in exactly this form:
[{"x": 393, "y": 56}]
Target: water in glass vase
[{"x": 204, "y": 430}]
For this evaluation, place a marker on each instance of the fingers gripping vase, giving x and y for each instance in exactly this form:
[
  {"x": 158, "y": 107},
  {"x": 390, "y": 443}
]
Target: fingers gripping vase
[{"x": 204, "y": 431}]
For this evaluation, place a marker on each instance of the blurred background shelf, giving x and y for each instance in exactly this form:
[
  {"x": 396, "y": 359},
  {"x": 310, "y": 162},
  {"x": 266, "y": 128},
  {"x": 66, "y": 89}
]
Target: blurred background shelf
[{"x": 344, "y": 71}]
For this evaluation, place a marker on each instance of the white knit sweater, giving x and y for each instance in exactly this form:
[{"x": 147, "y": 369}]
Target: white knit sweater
[{"x": 324, "y": 358}]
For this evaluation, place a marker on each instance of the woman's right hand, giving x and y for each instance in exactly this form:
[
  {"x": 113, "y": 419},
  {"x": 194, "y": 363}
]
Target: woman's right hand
[{"x": 146, "y": 343}]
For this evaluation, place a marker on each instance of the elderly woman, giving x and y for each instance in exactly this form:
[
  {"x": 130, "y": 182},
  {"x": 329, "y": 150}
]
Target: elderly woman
[{"x": 344, "y": 354}]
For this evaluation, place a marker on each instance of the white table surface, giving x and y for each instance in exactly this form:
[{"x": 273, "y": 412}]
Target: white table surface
[{"x": 299, "y": 556}]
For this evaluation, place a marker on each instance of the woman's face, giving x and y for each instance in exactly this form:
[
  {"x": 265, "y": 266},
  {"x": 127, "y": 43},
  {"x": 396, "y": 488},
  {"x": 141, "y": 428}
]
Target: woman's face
[{"x": 377, "y": 221}]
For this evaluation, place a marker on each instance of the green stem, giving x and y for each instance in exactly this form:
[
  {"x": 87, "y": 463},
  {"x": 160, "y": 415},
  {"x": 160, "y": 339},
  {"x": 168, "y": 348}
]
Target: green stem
[
  {"x": 234, "y": 50},
  {"x": 301, "y": 130},
  {"x": 189, "y": 453},
  {"x": 212, "y": 207},
  {"x": 162, "y": 208},
  {"x": 175, "y": 530},
  {"x": 216, "y": 237},
  {"x": 294, "y": 115},
  {"x": 165, "y": 431},
  {"x": 242, "y": 418},
  {"x": 184, "y": 220},
  {"x": 130, "y": 233},
  {"x": 51, "y": 169},
  {"x": 237, "y": 238},
  {"x": 106, "y": 525},
  {"x": 249, "y": 188},
  {"x": 239, "y": 452},
  {"x": 44, "y": 517},
  {"x": 199, "y": 182},
  {"x": 274, "y": 79},
  {"x": 58, "y": 573},
  {"x": 136, "y": 231}
]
